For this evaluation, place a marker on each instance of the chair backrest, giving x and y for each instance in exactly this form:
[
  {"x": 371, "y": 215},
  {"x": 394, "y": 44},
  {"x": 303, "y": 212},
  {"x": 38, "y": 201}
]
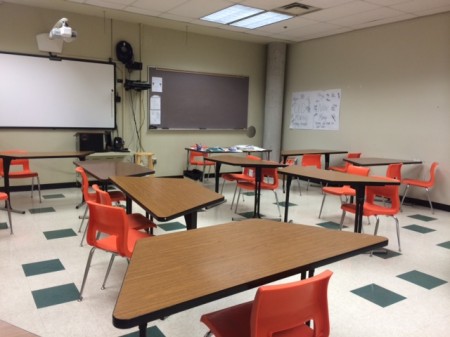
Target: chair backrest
[
  {"x": 250, "y": 171},
  {"x": 270, "y": 179},
  {"x": 312, "y": 160},
  {"x": 354, "y": 155},
  {"x": 286, "y": 306},
  {"x": 111, "y": 221},
  {"x": 359, "y": 170},
  {"x": 196, "y": 158},
  {"x": 88, "y": 196},
  {"x": 102, "y": 197},
  {"x": 23, "y": 163},
  {"x": 390, "y": 192},
  {"x": 394, "y": 171},
  {"x": 433, "y": 168}
]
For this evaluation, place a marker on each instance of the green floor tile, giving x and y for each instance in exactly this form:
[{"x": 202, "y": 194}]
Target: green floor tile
[
  {"x": 283, "y": 204},
  {"x": 172, "y": 226},
  {"x": 385, "y": 253},
  {"x": 3, "y": 225},
  {"x": 55, "y": 295},
  {"x": 329, "y": 225},
  {"x": 152, "y": 331},
  {"x": 53, "y": 196},
  {"x": 41, "y": 210},
  {"x": 42, "y": 267},
  {"x": 378, "y": 295},
  {"x": 419, "y": 229},
  {"x": 422, "y": 217},
  {"x": 445, "y": 244},
  {"x": 60, "y": 233},
  {"x": 421, "y": 279}
]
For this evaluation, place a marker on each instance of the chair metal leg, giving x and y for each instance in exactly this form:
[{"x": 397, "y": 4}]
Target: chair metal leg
[
  {"x": 108, "y": 270},
  {"x": 429, "y": 200},
  {"x": 278, "y": 204},
  {"x": 321, "y": 206},
  {"x": 8, "y": 208},
  {"x": 85, "y": 228},
  {"x": 234, "y": 196},
  {"x": 404, "y": 196},
  {"x": 342, "y": 220},
  {"x": 86, "y": 272},
  {"x": 397, "y": 226},
  {"x": 237, "y": 201}
]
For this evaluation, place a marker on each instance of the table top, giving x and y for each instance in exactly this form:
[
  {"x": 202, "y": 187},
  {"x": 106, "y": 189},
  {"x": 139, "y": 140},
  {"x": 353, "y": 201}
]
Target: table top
[
  {"x": 231, "y": 149},
  {"x": 372, "y": 161},
  {"x": 174, "y": 272},
  {"x": 104, "y": 169},
  {"x": 167, "y": 198},
  {"x": 233, "y": 160},
  {"x": 42, "y": 155},
  {"x": 334, "y": 177},
  {"x": 287, "y": 153}
]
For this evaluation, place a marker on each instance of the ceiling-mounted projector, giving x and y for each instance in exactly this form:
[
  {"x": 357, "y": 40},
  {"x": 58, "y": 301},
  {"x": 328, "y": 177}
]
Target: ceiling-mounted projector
[{"x": 62, "y": 30}]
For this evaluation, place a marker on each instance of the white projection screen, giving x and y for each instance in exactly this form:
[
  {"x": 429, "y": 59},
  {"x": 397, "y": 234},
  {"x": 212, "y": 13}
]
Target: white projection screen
[{"x": 39, "y": 92}]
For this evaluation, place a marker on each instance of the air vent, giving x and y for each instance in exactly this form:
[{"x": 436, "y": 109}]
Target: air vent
[{"x": 296, "y": 9}]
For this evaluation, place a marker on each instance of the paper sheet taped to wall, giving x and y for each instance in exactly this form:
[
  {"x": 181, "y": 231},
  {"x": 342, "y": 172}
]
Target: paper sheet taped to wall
[{"x": 316, "y": 110}]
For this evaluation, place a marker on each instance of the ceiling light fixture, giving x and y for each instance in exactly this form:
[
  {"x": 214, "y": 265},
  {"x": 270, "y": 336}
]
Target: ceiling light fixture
[{"x": 246, "y": 17}]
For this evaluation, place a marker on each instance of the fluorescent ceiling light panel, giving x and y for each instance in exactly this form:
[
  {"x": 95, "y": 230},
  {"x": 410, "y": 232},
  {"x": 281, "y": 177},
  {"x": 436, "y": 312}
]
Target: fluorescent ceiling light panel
[
  {"x": 260, "y": 20},
  {"x": 231, "y": 14}
]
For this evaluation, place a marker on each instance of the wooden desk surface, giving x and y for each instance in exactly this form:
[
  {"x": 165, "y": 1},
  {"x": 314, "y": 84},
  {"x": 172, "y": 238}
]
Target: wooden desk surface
[
  {"x": 234, "y": 160},
  {"x": 42, "y": 155},
  {"x": 372, "y": 161},
  {"x": 287, "y": 153},
  {"x": 174, "y": 272},
  {"x": 167, "y": 198},
  {"x": 103, "y": 169},
  {"x": 334, "y": 177}
]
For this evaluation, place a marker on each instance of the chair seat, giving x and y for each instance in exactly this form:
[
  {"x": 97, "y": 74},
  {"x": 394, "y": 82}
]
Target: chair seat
[
  {"x": 344, "y": 190},
  {"x": 418, "y": 183},
  {"x": 109, "y": 243},
  {"x": 138, "y": 221},
  {"x": 237, "y": 177},
  {"x": 13, "y": 175},
  {"x": 235, "y": 322},
  {"x": 370, "y": 209},
  {"x": 342, "y": 169}
]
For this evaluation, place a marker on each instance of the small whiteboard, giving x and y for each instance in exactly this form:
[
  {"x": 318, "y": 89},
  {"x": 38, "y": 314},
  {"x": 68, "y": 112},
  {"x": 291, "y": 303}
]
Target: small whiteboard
[{"x": 315, "y": 110}]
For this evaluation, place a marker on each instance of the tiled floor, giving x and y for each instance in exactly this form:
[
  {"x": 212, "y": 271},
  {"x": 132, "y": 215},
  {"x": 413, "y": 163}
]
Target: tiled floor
[{"x": 392, "y": 294}]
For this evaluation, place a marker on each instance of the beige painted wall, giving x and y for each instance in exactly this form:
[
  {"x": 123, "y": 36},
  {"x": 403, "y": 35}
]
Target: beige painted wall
[
  {"x": 153, "y": 47},
  {"x": 395, "y": 82}
]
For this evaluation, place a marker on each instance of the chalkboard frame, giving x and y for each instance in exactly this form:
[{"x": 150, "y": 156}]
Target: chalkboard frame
[
  {"x": 188, "y": 100},
  {"x": 54, "y": 101}
]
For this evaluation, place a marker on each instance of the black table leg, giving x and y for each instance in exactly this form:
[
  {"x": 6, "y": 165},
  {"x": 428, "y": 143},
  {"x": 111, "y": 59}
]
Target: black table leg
[
  {"x": 288, "y": 190},
  {"x": 191, "y": 220}
]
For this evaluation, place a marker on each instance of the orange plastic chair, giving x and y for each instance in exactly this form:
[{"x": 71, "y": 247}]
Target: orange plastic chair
[
  {"x": 312, "y": 160},
  {"x": 199, "y": 159},
  {"x": 116, "y": 196},
  {"x": 135, "y": 220},
  {"x": 345, "y": 190},
  {"x": 248, "y": 174},
  {"x": 269, "y": 181},
  {"x": 282, "y": 310},
  {"x": 346, "y": 164},
  {"x": 426, "y": 184},
  {"x": 108, "y": 230},
  {"x": 394, "y": 171},
  {"x": 4, "y": 197},
  {"x": 371, "y": 208},
  {"x": 23, "y": 172}
]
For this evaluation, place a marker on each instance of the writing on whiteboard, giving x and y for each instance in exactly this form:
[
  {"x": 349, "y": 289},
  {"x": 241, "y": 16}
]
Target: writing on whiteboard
[{"x": 315, "y": 110}]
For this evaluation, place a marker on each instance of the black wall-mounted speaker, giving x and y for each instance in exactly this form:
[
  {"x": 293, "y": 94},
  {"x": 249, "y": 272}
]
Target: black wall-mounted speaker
[{"x": 124, "y": 52}]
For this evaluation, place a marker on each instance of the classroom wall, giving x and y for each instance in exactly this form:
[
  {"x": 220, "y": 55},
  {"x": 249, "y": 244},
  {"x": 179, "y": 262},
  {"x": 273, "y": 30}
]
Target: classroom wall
[
  {"x": 395, "y": 82},
  {"x": 152, "y": 46}
]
